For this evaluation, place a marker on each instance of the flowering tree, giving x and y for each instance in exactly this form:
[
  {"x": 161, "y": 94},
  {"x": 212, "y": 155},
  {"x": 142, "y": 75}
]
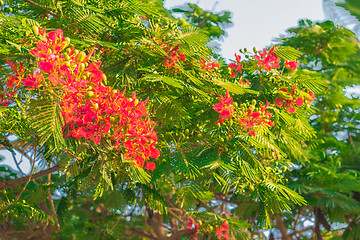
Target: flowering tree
[{"x": 134, "y": 128}]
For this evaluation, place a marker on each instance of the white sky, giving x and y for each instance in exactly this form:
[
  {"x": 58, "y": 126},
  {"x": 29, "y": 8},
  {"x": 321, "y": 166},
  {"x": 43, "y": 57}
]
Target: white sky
[{"x": 257, "y": 22}]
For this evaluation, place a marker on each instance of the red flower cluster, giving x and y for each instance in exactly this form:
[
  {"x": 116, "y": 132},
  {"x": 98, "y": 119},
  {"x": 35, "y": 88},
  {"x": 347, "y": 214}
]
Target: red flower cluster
[
  {"x": 224, "y": 107},
  {"x": 235, "y": 66},
  {"x": 268, "y": 60},
  {"x": 223, "y": 231},
  {"x": 252, "y": 119},
  {"x": 291, "y": 65},
  {"x": 208, "y": 66},
  {"x": 192, "y": 228},
  {"x": 173, "y": 56},
  {"x": 90, "y": 109},
  {"x": 13, "y": 80},
  {"x": 290, "y": 100}
]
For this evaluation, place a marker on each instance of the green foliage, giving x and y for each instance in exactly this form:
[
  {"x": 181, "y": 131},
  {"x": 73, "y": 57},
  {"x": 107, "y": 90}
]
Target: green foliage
[
  {"x": 45, "y": 119},
  {"x": 212, "y": 24}
]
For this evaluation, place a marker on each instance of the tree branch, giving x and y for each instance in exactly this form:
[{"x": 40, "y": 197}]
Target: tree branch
[
  {"x": 18, "y": 181},
  {"x": 53, "y": 211},
  {"x": 43, "y": 8},
  {"x": 177, "y": 235},
  {"x": 281, "y": 226},
  {"x": 141, "y": 233}
]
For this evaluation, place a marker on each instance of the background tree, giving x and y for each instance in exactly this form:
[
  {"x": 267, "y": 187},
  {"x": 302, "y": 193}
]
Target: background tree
[
  {"x": 344, "y": 13},
  {"x": 330, "y": 180}
]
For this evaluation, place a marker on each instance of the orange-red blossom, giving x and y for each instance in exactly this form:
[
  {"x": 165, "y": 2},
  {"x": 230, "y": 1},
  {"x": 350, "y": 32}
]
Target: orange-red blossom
[
  {"x": 90, "y": 109},
  {"x": 290, "y": 100},
  {"x": 223, "y": 231},
  {"x": 248, "y": 120}
]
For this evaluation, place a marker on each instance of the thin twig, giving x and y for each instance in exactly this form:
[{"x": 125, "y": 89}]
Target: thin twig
[
  {"x": 17, "y": 164},
  {"x": 31, "y": 173},
  {"x": 117, "y": 222},
  {"x": 68, "y": 151},
  {"x": 43, "y": 8}
]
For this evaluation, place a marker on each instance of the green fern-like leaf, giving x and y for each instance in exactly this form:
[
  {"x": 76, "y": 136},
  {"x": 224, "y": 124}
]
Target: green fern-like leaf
[
  {"x": 45, "y": 118},
  {"x": 287, "y": 53}
]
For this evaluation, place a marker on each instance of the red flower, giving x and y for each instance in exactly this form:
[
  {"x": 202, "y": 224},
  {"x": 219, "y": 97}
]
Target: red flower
[
  {"x": 290, "y": 100},
  {"x": 96, "y": 74},
  {"x": 173, "y": 56},
  {"x": 192, "y": 228},
  {"x": 14, "y": 79},
  {"x": 150, "y": 166},
  {"x": 253, "y": 119},
  {"x": 268, "y": 60},
  {"x": 236, "y": 66},
  {"x": 223, "y": 231},
  {"x": 32, "y": 81},
  {"x": 208, "y": 66},
  {"x": 225, "y": 108},
  {"x": 299, "y": 101},
  {"x": 291, "y": 65},
  {"x": 55, "y": 79},
  {"x": 55, "y": 35},
  {"x": 220, "y": 120},
  {"x": 311, "y": 97},
  {"x": 154, "y": 152},
  {"x": 46, "y": 66}
]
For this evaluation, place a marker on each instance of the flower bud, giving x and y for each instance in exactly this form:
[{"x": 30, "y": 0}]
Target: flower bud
[
  {"x": 34, "y": 28},
  {"x": 82, "y": 67},
  {"x": 66, "y": 56},
  {"x": 67, "y": 39},
  {"x": 81, "y": 56},
  {"x": 229, "y": 70},
  {"x": 90, "y": 94}
]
